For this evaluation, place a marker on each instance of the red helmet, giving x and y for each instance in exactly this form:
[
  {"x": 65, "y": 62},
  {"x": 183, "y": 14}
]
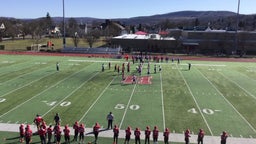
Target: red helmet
[
  {"x": 147, "y": 127},
  {"x": 166, "y": 129}
]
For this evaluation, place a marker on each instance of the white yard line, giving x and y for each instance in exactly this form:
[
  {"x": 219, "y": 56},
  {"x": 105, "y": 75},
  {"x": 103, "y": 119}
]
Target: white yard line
[
  {"x": 228, "y": 101},
  {"x": 96, "y": 100},
  {"x": 253, "y": 96},
  {"x": 70, "y": 94},
  {"x": 196, "y": 103},
  {"x": 25, "y": 85},
  {"x": 127, "y": 106},
  {"x": 38, "y": 94},
  {"x": 162, "y": 96}
]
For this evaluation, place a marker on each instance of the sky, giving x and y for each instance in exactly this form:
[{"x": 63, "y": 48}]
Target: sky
[{"x": 110, "y": 9}]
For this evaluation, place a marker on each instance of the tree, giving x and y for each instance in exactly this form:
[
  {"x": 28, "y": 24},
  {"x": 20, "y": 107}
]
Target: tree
[
  {"x": 73, "y": 31},
  {"x": 92, "y": 36}
]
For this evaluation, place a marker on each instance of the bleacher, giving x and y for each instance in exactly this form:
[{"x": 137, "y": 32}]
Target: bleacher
[{"x": 100, "y": 50}]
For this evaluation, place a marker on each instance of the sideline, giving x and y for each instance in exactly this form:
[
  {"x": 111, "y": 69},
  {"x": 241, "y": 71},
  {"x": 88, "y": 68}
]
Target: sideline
[{"x": 174, "y": 137}]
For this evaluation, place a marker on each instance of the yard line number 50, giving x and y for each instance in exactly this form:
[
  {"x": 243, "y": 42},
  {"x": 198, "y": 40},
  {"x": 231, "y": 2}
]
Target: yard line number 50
[{"x": 122, "y": 106}]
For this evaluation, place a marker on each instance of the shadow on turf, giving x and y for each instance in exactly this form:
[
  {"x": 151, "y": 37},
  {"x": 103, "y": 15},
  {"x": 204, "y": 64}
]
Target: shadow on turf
[{"x": 99, "y": 131}]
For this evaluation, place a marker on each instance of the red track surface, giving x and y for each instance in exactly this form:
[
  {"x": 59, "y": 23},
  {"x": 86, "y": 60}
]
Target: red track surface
[{"x": 110, "y": 56}]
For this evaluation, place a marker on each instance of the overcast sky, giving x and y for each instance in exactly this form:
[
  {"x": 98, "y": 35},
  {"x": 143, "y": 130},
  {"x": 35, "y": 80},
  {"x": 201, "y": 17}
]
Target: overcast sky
[{"x": 117, "y": 8}]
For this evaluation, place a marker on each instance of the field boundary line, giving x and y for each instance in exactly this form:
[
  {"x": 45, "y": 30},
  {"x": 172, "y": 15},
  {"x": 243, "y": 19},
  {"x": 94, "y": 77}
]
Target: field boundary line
[
  {"x": 253, "y": 96},
  {"x": 127, "y": 106},
  {"x": 97, "y": 99},
  {"x": 228, "y": 102},
  {"x": 162, "y": 97},
  {"x": 25, "y": 85},
  {"x": 70, "y": 94},
  {"x": 196, "y": 102},
  {"x": 39, "y": 94}
]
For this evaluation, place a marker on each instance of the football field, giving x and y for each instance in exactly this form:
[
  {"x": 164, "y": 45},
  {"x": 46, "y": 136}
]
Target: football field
[{"x": 214, "y": 96}]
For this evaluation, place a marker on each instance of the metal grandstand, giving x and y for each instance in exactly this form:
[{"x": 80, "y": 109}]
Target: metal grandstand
[{"x": 100, "y": 50}]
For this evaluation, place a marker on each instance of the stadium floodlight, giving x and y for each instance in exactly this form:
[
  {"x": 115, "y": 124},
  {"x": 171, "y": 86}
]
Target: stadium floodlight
[
  {"x": 64, "y": 29},
  {"x": 237, "y": 25}
]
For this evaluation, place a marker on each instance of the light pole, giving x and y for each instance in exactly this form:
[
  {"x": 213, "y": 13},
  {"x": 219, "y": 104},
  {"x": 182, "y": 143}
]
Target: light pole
[
  {"x": 64, "y": 29},
  {"x": 237, "y": 25}
]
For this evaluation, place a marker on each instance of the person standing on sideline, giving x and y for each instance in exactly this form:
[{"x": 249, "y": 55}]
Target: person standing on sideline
[
  {"x": 42, "y": 134},
  {"x": 76, "y": 128},
  {"x": 200, "y": 136},
  {"x": 49, "y": 134},
  {"x": 116, "y": 133},
  {"x": 38, "y": 120},
  {"x": 58, "y": 134},
  {"x": 66, "y": 131},
  {"x": 224, "y": 137},
  {"x": 155, "y": 134},
  {"x": 166, "y": 136},
  {"x": 57, "y": 66},
  {"x": 187, "y": 135},
  {"x": 137, "y": 135},
  {"x": 128, "y": 133},
  {"x": 22, "y": 133},
  {"x": 28, "y": 134},
  {"x": 81, "y": 131},
  {"x": 147, "y": 134},
  {"x": 57, "y": 119},
  {"x": 96, "y": 130},
  {"x": 110, "y": 119},
  {"x": 189, "y": 66}
]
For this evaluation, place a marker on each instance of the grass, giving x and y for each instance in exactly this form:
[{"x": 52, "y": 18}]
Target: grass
[
  {"x": 21, "y": 45},
  {"x": 214, "y": 96}
]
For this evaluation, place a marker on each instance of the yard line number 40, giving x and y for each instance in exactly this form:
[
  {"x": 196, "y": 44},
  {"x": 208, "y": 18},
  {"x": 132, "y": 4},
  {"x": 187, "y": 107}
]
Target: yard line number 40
[{"x": 205, "y": 110}]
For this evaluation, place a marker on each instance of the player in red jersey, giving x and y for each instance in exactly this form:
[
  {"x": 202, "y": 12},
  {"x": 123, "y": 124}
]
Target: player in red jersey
[
  {"x": 224, "y": 137},
  {"x": 147, "y": 134},
  {"x": 96, "y": 130},
  {"x": 42, "y": 134},
  {"x": 81, "y": 131},
  {"x": 58, "y": 134},
  {"x": 38, "y": 119},
  {"x": 128, "y": 133},
  {"x": 200, "y": 136},
  {"x": 66, "y": 132},
  {"x": 28, "y": 134},
  {"x": 49, "y": 133},
  {"x": 155, "y": 134},
  {"x": 116, "y": 133},
  {"x": 76, "y": 127},
  {"x": 22, "y": 133},
  {"x": 166, "y": 136},
  {"x": 44, "y": 125},
  {"x": 187, "y": 135},
  {"x": 137, "y": 135}
]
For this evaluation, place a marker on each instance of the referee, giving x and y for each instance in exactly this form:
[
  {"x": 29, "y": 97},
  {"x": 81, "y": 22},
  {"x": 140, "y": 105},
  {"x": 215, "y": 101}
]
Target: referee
[{"x": 110, "y": 118}]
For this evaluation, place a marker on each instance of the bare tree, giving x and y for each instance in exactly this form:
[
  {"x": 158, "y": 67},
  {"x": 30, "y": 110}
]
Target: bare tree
[{"x": 92, "y": 36}]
